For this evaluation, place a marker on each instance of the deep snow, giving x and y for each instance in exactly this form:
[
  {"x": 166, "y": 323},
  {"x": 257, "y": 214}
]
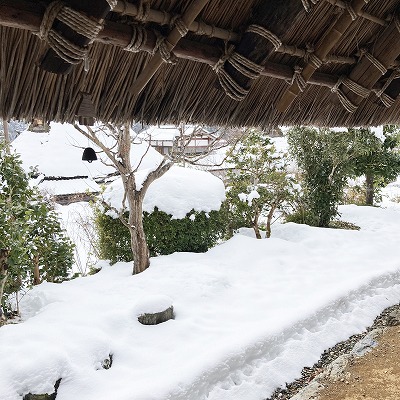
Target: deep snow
[{"x": 249, "y": 315}]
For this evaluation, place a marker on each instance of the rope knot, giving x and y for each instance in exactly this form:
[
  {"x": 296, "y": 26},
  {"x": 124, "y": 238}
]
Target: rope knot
[
  {"x": 363, "y": 52},
  {"x": 344, "y": 100},
  {"x": 311, "y": 57},
  {"x": 226, "y": 56},
  {"x": 143, "y": 10},
  {"x": 351, "y": 11},
  {"x": 298, "y": 78},
  {"x": 80, "y": 23},
  {"x": 178, "y": 23},
  {"x": 138, "y": 38},
  {"x": 266, "y": 34},
  {"x": 163, "y": 46}
]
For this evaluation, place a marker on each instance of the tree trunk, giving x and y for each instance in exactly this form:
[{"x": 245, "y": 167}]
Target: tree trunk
[
  {"x": 140, "y": 251},
  {"x": 369, "y": 183},
  {"x": 255, "y": 226},
  {"x": 269, "y": 219},
  {"x": 36, "y": 272},
  {"x": 3, "y": 276}
]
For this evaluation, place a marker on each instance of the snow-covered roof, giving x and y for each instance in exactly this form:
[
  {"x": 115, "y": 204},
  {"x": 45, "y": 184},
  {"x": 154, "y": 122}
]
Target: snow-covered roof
[
  {"x": 70, "y": 186},
  {"x": 58, "y": 153}
]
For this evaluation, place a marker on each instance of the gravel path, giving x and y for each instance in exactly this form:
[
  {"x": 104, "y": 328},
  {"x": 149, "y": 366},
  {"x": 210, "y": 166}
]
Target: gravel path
[{"x": 335, "y": 355}]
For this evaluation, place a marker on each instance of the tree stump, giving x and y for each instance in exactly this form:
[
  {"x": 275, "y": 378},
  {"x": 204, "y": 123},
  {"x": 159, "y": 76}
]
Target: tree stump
[
  {"x": 155, "y": 310},
  {"x": 44, "y": 396}
]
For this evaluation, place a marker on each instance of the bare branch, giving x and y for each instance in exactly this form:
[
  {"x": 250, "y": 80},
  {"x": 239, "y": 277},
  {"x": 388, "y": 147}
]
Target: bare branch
[
  {"x": 164, "y": 166},
  {"x": 143, "y": 156}
]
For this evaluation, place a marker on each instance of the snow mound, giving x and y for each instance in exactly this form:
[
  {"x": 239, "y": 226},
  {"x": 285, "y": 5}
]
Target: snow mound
[
  {"x": 177, "y": 192},
  {"x": 249, "y": 315}
]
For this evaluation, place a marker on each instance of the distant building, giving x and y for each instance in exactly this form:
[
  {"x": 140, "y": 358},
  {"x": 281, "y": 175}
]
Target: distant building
[{"x": 190, "y": 139}]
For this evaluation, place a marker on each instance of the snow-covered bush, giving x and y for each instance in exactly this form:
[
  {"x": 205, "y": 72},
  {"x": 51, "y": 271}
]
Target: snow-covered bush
[
  {"x": 258, "y": 182},
  {"x": 196, "y": 232}
]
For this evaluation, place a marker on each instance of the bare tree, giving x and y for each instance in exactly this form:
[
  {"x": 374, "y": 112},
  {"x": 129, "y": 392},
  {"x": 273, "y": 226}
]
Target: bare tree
[{"x": 119, "y": 156}]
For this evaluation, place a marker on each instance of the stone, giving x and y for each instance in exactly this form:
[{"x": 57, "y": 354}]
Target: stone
[
  {"x": 394, "y": 318},
  {"x": 44, "y": 396},
  {"x": 156, "y": 318},
  {"x": 367, "y": 343},
  {"x": 107, "y": 363},
  {"x": 336, "y": 370},
  {"x": 309, "y": 392}
]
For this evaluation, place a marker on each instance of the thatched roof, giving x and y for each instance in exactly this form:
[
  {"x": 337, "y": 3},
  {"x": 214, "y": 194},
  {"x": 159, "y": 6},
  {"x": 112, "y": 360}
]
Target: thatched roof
[{"x": 254, "y": 62}]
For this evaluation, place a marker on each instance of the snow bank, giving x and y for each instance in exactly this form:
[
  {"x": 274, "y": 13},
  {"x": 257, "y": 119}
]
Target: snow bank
[{"x": 177, "y": 192}]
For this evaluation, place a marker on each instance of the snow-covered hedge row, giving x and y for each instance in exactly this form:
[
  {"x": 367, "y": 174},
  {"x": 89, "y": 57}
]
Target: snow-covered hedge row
[{"x": 196, "y": 232}]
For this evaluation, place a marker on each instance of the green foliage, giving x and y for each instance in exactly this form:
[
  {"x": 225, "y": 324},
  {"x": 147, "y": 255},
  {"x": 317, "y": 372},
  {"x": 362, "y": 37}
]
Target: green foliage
[
  {"x": 381, "y": 159},
  {"x": 49, "y": 245},
  {"x": 326, "y": 160},
  {"x": 197, "y": 232},
  {"x": 30, "y": 229},
  {"x": 258, "y": 182}
]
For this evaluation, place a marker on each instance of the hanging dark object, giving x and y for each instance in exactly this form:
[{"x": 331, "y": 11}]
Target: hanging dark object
[{"x": 89, "y": 155}]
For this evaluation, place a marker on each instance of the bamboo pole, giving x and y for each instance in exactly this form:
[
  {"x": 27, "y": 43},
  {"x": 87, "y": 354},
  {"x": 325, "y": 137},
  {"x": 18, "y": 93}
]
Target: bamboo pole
[
  {"x": 341, "y": 4},
  {"x": 164, "y": 18},
  {"x": 120, "y": 35},
  {"x": 326, "y": 45},
  {"x": 172, "y": 39}
]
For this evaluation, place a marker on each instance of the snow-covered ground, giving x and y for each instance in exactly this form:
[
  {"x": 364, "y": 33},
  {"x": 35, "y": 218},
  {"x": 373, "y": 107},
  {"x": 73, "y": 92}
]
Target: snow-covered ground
[{"x": 249, "y": 315}]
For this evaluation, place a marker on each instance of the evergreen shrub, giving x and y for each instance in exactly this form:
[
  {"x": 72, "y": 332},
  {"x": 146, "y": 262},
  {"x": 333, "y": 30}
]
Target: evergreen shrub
[{"x": 196, "y": 233}]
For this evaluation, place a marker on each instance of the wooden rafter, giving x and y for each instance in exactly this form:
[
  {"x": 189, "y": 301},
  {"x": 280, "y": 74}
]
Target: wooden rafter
[
  {"x": 97, "y": 10},
  {"x": 326, "y": 45},
  {"x": 385, "y": 50},
  {"x": 171, "y": 41},
  {"x": 119, "y": 35}
]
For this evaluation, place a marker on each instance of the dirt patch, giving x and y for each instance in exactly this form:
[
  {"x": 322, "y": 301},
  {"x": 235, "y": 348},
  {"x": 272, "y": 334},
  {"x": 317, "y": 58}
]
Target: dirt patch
[
  {"x": 375, "y": 376},
  {"x": 337, "y": 375}
]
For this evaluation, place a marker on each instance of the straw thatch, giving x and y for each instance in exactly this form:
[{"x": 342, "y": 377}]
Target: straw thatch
[{"x": 336, "y": 64}]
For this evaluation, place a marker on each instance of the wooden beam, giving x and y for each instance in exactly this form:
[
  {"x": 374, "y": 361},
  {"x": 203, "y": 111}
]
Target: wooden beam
[
  {"x": 274, "y": 15},
  {"x": 386, "y": 49},
  {"x": 164, "y": 18},
  {"x": 97, "y": 10},
  {"x": 171, "y": 41},
  {"x": 326, "y": 45}
]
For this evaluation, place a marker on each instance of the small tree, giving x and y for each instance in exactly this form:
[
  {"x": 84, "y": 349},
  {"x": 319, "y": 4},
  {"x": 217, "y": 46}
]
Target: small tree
[
  {"x": 50, "y": 251},
  {"x": 326, "y": 160},
  {"x": 119, "y": 154},
  {"x": 381, "y": 162},
  {"x": 258, "y": 182},
  {"x": 31, "y": 236}
]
